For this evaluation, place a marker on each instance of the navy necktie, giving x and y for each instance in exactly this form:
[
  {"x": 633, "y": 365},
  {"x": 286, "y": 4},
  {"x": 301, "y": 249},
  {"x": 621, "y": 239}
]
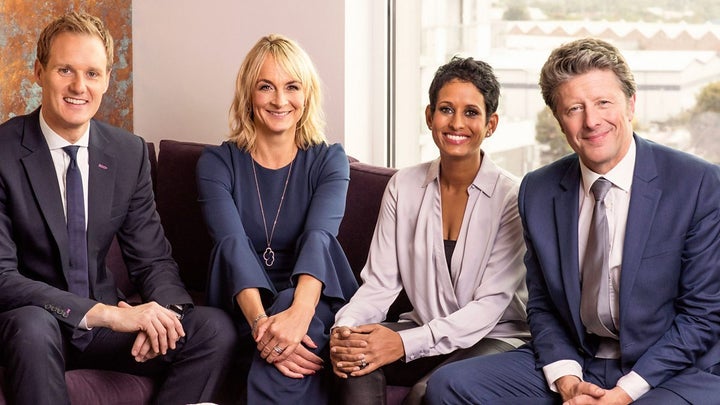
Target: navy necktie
[{"x": 78, "y": 276}]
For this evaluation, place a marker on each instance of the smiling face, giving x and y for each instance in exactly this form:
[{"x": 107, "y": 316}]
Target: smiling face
[
  {"x": 277, "y": 101},
  {"x": 596, "y": 118},
  {"x": 73, "y": 82},
  {"x": 459, "y": 123}
]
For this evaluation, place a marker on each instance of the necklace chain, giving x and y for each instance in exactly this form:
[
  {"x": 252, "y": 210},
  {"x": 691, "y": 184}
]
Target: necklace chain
[{"x": 269, "y": 254}]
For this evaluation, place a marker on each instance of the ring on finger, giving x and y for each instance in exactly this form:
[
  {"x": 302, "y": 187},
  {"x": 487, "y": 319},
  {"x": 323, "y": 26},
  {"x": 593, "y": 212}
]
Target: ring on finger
[
  {"x": 278, "y": 349},
  {"x": 363, "y": 364}
]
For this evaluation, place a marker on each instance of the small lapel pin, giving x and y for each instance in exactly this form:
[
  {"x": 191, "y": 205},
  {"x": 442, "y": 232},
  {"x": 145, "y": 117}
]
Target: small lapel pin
[{"x": 102, "y": 166}]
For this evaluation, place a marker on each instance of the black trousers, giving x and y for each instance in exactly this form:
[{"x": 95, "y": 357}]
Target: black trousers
[
  {"x": 370, "y": 388},
  {"x": 36, "y": 354}
]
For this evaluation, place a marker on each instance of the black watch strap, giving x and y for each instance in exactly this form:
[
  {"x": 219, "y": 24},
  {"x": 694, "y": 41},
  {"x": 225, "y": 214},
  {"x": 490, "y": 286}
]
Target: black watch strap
[{"x": 178, "y": 309}]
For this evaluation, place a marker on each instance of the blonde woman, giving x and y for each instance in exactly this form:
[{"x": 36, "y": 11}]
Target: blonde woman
[{"x": 273, "y": 196}]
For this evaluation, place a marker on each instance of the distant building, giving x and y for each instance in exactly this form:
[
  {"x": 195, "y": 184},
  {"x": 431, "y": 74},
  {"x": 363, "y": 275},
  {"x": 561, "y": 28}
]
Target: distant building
[
  {"x": 671, "y": 62},
  {"x": 668, "y": 81}
]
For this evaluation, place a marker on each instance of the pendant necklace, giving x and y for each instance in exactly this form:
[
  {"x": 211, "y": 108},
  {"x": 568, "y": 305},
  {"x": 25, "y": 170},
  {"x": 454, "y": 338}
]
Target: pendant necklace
[{"x": 269, "y": 254}]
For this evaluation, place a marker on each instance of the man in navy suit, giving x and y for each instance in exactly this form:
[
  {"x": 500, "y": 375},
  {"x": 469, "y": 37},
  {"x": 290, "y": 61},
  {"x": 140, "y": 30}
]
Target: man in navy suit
[
  {"x": 60, "y": 306},
  {"x": 656, "y": 341}
]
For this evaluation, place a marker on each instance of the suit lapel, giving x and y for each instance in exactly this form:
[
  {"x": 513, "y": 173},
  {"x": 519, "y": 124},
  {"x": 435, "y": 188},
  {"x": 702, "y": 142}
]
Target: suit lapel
[
  {"x": 566, "y": 220},
  {"x": 644, "y": 199},
  {"x": 101, "y": 171},
  {"x": 40, "y": 171}
]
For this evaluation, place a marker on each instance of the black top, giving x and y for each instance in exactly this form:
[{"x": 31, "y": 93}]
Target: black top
[{"x": 449, "y": 249}]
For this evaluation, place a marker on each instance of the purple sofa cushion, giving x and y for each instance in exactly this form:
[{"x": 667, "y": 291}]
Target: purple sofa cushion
[
  {"x": 177, "y": 203},
  {"x": 108, "y": 387},
  {"x": 100, "y": 387},
  {"x": 365, "y": 191},
  {"x": 367, "y": 186},
  {"x": 395, "y": 394}
]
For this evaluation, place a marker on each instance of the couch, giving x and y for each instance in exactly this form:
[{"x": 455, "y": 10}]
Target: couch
[{"x": 173, "y": 173}]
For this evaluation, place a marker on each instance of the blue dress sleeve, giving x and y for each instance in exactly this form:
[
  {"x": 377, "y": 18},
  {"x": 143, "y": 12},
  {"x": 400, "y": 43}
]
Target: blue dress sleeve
[
  {"x": 234, "y": 262},
  {"x": 318, "y": 252}
]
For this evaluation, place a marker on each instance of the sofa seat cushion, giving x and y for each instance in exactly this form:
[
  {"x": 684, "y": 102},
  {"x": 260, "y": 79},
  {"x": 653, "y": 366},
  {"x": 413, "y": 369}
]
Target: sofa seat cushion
[
  {"x": 108, "y": 387},
  {"x": 395, "y": 394},
  {"x": 96, "y": 387}
]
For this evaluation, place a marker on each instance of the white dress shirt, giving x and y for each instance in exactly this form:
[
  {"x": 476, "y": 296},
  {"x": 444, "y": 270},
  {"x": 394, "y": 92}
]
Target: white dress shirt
[
  {"x": 617, "y": 203},
  {"x": 61, "y": 159},
  {"x": 483, "y": 294}
]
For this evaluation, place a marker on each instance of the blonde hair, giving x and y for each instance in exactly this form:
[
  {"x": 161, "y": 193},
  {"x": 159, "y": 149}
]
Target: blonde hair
[
  {"x": 293, "y": 59},
  {"x": 76, "y": 23}
]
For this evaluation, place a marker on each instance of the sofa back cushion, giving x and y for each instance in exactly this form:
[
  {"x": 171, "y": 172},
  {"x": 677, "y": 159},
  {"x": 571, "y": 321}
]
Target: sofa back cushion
[
  {"x": 176, "y": 196},
  {"x": 367, "y": 185},
  {"x": 177, "y": 204}
]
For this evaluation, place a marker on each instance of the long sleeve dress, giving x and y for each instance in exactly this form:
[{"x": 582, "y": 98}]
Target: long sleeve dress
[{"x": 304, "y": 242}]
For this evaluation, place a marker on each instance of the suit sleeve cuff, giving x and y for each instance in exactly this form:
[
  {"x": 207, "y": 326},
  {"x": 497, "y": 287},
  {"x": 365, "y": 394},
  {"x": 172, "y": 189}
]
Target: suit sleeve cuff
[
  {"x": 634, "y": 385},
  {"x": 561, "y": 368}
]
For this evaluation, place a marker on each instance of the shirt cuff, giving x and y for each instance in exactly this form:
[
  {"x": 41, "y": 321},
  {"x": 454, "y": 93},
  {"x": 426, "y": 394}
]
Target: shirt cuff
[
  {"x": 561, "y": 368},
  {"x": 83, "y": 323},
  {"x": 416, "y": 342},
  {"x": 634, "y": 385},
  {"x": 345, "y": 321}
]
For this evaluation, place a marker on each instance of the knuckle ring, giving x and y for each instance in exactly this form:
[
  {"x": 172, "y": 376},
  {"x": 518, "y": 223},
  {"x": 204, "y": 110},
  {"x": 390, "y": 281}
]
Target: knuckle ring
[
  {"x": 363, "y": 364},
  {"x": 278, "y": 349}
]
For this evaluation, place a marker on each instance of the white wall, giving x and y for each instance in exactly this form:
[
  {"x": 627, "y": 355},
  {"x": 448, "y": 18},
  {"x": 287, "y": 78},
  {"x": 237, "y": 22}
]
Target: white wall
[
  {"x": 368, "y": 98},
  {"x": 186, "y": 54},
  {"x": 366, "y": 80}
]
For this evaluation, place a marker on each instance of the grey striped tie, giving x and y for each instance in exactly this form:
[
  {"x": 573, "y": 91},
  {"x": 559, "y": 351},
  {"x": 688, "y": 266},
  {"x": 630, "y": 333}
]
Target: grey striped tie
[{"x": 595, "y": 299}]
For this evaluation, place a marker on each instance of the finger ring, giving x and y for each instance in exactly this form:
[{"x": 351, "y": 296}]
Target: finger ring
[
  {"x": 363, "y": 364},
  {"x": 278, "y": 349}
]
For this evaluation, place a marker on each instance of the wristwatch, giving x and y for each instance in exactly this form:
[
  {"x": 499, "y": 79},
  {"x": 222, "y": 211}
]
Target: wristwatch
[{"x": 178, "y": 309}]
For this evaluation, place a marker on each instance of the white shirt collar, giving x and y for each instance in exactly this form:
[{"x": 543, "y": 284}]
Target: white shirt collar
[
  {"x": 485, "y": 180},
  {"x": 56, "y": 141},
  {"x": 620, "y": 176}
]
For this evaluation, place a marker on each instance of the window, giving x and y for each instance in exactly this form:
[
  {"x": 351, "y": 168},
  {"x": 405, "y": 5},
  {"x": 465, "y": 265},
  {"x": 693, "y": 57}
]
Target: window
[{"x": 674, "y": 58}]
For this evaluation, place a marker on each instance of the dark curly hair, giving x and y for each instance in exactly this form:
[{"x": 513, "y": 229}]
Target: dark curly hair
[{"x": 477, "y": 72}]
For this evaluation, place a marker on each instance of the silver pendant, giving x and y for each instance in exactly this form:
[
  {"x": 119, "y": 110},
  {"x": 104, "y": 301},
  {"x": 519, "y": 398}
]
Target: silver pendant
[{"x": 269, "y": 256}]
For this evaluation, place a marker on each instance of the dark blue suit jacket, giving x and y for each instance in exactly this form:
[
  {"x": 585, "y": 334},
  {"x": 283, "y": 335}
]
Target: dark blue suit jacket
[
  {"x": 33, "y": 233},
  {"x": 670, "y": 275}
]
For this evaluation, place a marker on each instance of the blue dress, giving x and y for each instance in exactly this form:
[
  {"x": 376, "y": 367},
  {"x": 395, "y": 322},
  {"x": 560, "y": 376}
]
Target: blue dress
[{"x": 304, "y": 242}]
